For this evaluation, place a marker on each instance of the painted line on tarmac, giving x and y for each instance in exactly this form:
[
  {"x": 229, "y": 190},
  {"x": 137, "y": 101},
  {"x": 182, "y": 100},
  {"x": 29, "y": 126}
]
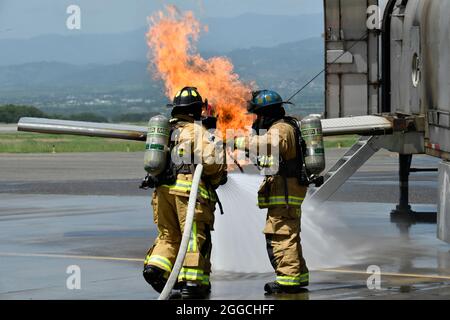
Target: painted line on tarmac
[
  {"x": 65, "y": 256},
  {"x": 388, "y": 274}
]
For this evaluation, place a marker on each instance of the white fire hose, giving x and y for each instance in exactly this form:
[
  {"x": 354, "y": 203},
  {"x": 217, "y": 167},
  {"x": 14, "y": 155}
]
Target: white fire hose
[{"x": 165, "y": 294}]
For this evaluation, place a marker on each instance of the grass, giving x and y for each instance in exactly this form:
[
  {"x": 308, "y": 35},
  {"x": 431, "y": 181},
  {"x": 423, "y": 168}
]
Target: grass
[
  {"x": 25, "y": 142},
  {"x": 340, "y": 141}
]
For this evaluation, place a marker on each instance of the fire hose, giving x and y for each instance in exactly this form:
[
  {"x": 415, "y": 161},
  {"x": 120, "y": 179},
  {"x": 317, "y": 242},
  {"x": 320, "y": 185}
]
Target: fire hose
[{"x": 165, "y": 294}]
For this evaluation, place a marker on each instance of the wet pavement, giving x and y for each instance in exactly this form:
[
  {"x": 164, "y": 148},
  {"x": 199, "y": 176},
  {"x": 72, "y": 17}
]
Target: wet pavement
[
  {"x": 41, "y": 235},
  {"x": 121, "y": 173}
]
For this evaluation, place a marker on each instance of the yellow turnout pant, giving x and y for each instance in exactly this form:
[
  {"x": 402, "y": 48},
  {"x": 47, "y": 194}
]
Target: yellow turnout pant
[
  {"x": 282, "y": 232},
  {"x": 169, "y": 214}
]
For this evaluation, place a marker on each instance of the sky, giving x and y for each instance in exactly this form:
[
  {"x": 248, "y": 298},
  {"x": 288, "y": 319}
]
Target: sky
[{"x": 29, "y": 18}]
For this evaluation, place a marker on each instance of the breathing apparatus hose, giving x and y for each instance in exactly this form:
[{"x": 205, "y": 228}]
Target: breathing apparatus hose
[{"x": 165, "y": 294}]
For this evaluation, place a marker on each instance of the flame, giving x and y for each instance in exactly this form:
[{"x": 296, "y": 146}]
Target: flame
[{"x": 172, "y": 39}]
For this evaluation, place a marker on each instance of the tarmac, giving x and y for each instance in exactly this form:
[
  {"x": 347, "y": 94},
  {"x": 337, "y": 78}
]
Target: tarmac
[
  {"x": 61, "y": 210},
  {"x": 8, "y": 128}
]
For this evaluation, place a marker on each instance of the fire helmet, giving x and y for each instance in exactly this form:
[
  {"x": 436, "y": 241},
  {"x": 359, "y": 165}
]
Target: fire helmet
[
  {"x": 188, "y": 101},
  {"x": 265, "y": 101}
]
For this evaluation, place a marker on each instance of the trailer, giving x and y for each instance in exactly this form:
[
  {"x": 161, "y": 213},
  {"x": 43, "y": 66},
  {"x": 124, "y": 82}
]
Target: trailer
[{"x": 399, "y": 69}]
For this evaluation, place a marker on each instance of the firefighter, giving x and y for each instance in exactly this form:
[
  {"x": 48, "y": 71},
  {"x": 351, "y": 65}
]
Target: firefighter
[
  {"x": 282, "y": 192},
  {"x": 170, "y": 201}
]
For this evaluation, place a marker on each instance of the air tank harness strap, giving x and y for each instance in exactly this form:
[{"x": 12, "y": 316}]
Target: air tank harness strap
[
  {"x": 286, "y": 191},
  {"x": 213, "y": 190},
  {"x": 266, "y": 191},
  {"x": 283, "y": 172},
  {"x": 219, "y": 203},
  {"x": 302, "y": 175}
]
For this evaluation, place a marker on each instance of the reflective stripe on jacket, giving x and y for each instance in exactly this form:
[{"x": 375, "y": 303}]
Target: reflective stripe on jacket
[
  {"x": 279, "y": 200},
  {"x": 183, "y": 185}
]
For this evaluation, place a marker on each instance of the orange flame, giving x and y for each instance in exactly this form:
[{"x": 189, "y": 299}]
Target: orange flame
[{"x": 172, "y": 40}]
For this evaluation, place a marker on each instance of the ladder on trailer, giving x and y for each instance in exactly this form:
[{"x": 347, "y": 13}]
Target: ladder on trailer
[{"x": 353, "y": 159}]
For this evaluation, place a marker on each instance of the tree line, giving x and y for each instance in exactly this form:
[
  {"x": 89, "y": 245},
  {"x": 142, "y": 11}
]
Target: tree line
[{"x": 12, "y": 113}]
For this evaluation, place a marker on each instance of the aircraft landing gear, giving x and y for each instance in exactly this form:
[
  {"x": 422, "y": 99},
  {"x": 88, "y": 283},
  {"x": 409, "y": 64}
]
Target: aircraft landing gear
[{"x": 403, "y": 213}]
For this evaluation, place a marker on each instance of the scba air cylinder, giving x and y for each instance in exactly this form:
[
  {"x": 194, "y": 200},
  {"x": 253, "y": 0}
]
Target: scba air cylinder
[
  {"x": 311, "y": 128},
  {"x": 157, "y": 145}
]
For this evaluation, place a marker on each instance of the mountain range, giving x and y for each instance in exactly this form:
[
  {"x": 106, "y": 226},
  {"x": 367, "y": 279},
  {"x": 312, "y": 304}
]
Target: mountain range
[
  {"x": 224, "y": 35},
  {"x": 108, "y": 74}
]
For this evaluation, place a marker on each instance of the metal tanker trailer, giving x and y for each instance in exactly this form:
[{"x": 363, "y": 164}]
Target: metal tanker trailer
[{"x": 392, "y": 59}]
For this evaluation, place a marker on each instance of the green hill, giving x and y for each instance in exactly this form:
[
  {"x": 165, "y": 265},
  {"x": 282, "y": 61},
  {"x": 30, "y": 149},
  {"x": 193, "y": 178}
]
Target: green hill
[{"x": 128, "y": 87}]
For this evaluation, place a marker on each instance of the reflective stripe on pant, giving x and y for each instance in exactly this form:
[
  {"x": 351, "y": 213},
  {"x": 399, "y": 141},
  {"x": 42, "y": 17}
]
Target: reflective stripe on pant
[
  {"x": 159, "y": 261},
  {"x": 293, "y": 280},
  {"x": 170, "y": 213},
  {"x": 282, "y": 232},
  {"x": 188, "y": 274},
  {"x": 200, "y": 275}
]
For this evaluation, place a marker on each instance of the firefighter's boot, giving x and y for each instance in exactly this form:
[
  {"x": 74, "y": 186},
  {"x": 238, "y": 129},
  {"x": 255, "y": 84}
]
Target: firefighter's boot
[
  {"x": 276, "y": 288},
  {"x": 194, "y": 290},
  {"x": 155, "y": 277}
]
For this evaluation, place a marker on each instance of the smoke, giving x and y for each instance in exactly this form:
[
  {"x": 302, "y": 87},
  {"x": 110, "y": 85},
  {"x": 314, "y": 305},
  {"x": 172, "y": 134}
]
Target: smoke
[{"x": 173, "y": 55}]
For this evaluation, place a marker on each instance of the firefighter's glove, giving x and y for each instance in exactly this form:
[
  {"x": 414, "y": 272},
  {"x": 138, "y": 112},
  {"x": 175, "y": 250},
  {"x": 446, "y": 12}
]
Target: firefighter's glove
[
  {"x": 318, "y": 181},
  {"x": 147, "y": 183}
]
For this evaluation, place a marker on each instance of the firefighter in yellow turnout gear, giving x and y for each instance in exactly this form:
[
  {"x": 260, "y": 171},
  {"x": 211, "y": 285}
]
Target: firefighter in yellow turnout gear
[
  {"x": 170, "y": 202},
  {"x": 281, "y": 192}
]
